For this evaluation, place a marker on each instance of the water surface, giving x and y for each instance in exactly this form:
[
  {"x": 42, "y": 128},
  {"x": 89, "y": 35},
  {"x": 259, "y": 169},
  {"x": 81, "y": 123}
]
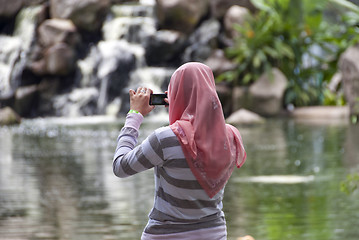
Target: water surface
[{"x": 56, "y": 182}]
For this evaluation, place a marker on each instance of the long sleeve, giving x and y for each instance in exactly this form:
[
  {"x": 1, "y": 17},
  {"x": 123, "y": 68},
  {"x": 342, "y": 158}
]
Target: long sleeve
[
  {"x": 180, "y": 204},
  {"x": 126, "y": 140},
  {"x": 130, "y": 159}
]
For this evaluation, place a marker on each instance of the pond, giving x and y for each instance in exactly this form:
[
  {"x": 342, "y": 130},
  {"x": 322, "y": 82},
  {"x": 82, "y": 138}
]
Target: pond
[{"x": 56, "y": 182}]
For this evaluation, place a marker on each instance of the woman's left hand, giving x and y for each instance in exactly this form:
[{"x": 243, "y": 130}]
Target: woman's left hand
[{"x": 139, "y": 100}]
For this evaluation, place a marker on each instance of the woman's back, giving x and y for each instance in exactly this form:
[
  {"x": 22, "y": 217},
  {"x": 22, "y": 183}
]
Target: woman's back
[
  {"x": 193, "y": 157},
  {"x": 180, "y": 201}
]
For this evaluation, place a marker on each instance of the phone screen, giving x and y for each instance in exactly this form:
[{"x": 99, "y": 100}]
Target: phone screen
[{"x": 158, "y": 99}]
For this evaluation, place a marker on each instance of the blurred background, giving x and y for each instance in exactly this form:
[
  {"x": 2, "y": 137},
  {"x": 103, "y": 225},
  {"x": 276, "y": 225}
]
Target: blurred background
[{"x": 287, "y": 74}]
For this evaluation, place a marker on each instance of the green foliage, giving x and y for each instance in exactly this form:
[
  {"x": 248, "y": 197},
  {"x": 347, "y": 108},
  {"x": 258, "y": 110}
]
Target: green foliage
[
  {"x": 350, "y": 184},
  {"x": 332, "y": 99},
  {"x": 298, "y": 38}
]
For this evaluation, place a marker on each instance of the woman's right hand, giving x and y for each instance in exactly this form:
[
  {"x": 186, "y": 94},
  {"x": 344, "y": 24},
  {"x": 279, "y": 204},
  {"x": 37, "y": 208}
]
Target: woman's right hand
[
  {"x": 139, "y": 100},
  {"x": 166, "y": 100}
]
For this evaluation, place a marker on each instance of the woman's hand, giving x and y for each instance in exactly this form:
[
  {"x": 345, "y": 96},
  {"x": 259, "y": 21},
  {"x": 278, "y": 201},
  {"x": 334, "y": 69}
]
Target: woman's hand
[
  {"x": 139, "y": 100},
  {"x": 166, "y": 100}
]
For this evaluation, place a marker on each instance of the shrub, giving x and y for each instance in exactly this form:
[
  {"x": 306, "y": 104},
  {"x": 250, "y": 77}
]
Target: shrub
[{"x": 304, "y": 39}]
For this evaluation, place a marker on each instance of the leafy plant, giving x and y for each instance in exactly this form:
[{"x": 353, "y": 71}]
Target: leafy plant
[
  {"x": 296, "y": 37},
  {"x": 350, "y": 184},
  {"x": 332, "y": 99}
]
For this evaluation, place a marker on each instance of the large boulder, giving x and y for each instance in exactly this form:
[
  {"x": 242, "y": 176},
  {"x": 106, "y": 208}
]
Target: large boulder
[
  {"x": 202, "y": 42},
  {"x": 180, "y": 15},
  {"x": 225, "y": 96},
  {"x": 58, "y": 59},
  {"x": 79, "y": 102},
  {"x": 107, "y": 68},
  {"x": 244, "y": 117},
  {"x": 266, "y": 94},
  {"x": 85, "y": 14},
  {"x": 9, "y": 9},
  {"x": 218, "y": 62},
  {"x": 122, "y": 1},
  {"x": 57, "y": 39},
  {"x": 236, "y": 15},
  {"x": 116, "y": 64},
  {"x": 164, "y": 46},
  {"x": 239, "y": 97},
  {"x": 25, "y": 99},
  {"x": 8, "y": 116},
  {"x": 321, "y": 113},
  {"x": 349, "y": 67},
  {"x": 220, "y": 7},
  {"x": 54, "y": 31}
]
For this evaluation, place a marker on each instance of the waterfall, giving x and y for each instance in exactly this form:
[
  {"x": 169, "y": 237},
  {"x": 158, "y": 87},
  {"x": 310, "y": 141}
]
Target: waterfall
[
  {"x": 126, "y": 32},
  {"x": 9, "y": 54},
  {"x": 104, "y": 75},
  {"x": 15, "y": 49}
]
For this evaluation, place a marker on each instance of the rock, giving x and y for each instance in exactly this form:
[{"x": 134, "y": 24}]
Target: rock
[
  {"x": 25, "y": 99},
  {"x": 117, "y": 62},
  {"x": 108, "y": 68},
  {"x": 180, "y": 15},
  {"x": 80, "y": 102},
  {"x": 8, "y": 116},
  {"x": 235, "y": 15},
  {"x": 220, "y": 7},
  {"x": 349, "y": 67},
  {"x": 239, "y": 97},
  {"x": 60, "y": 59},
  {"x": 321, "y": 113},
  {"x": 266, "y": 94},
  {"x": 225, "y": 96},
  {"x": 335, "y": 81},
  {"x": 48, "y": 88},
  {"x": 163, "y": 47},
  {"x": 9, "y": 9},
  {"x": 202, "y": 41},
  {"x": 55, "y": 31},
  {"x": 122, "y": 1},
  {"x": 219, "y": 63},
  {"x": 135, "y": 28},
  {"x": 85, "y": 14},
  {"x": 33, "y": 2},
  {"x": 247, "y": 237},
  {"x": 244, "y": 116},
  {"x": 56, "y": 54}
]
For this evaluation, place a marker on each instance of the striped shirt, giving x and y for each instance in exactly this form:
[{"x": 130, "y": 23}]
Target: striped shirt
[{"x": 180, "y": 205}]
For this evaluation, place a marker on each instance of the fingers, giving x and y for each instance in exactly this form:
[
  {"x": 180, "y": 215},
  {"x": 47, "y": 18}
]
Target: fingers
[
  {"x": 140, "y": 90},
  {"x": 166, "y": 100},
  {"x": 139, "y": 100},
  {"x": 143, "y": 90},
  {"x": 132, "y": 92}
]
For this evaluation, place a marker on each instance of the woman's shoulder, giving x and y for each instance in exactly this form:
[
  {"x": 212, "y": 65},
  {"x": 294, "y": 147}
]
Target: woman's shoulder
[{"x": 164, "y": 132}]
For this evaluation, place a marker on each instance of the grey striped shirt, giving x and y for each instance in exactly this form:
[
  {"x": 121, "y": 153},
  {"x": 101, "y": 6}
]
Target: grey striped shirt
[{"x": 180, "y": 202}]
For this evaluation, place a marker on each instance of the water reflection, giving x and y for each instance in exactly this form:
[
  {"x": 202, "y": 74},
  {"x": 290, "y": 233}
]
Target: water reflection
[{"x": 56, "y": 182}]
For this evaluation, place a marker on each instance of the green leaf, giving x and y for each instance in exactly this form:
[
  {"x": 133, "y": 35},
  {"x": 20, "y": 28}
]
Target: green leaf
[
  {"x": 287, "y": 51},
  {"x": 257, "y": 60},
  {"x": 261, "y": 5},
  {"x": 247, "y": 78},
  {"x": 271, "y": 52},
  {"x": 349, "y": 5},
  {"x": 228, "y": 76}
]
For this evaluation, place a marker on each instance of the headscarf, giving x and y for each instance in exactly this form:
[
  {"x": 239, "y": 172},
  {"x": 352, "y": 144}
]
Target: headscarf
[{"x": 212, "y": 148}]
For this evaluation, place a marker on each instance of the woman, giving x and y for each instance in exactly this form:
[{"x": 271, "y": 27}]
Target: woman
[{"x": 192, "y": 158}]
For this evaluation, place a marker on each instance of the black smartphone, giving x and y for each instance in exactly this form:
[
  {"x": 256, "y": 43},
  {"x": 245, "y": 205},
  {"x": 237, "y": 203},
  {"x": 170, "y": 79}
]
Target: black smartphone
[{"x": 158, "y": 99}]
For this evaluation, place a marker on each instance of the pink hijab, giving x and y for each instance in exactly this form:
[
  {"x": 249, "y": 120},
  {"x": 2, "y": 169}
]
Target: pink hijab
[{"x": 212, "y": 147}]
